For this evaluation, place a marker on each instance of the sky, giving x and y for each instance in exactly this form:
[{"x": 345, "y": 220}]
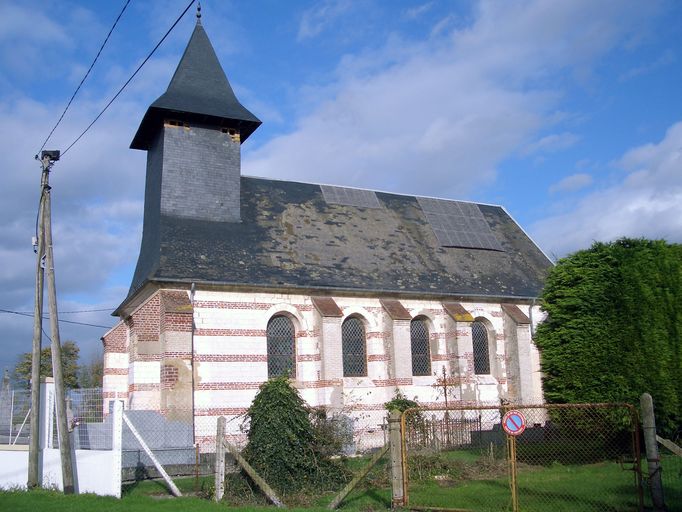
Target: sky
[{"x": 567, "y": 113}]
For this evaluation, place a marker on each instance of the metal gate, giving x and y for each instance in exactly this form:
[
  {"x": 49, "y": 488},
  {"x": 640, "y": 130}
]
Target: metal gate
[{"x": 578, "y": 457}]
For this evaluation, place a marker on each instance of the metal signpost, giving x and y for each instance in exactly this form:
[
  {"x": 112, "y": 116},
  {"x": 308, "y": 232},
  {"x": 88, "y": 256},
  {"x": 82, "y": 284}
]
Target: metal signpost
[{"x": 513, "y": 423}]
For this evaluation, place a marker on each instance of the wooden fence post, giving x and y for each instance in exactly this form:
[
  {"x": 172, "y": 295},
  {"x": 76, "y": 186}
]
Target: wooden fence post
[
  {"x": 220, "y": 460},
  {"x": 396, "y": 442},
  {"x": 652, "y": 458}
]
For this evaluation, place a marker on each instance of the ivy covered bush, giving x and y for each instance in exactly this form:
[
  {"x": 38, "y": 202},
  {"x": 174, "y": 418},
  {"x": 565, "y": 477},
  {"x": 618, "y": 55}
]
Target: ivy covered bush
[
  {"x": 284, "y": 447},
  {"x": 400, "y": 402},
  {"x": 614, "y": 327}
]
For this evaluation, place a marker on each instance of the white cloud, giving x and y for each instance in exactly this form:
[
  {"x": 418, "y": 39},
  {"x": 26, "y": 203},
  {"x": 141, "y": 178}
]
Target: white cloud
[
  {"x": 572, "y": 183},
  {"x": 418, "y": 10},
  {"x": 438, "y": 116},
  {"x": 24, "y": 24},
  {"x": 551, "y": 143},
  {"x": 668, "y": 57},
  {"x": 318, "y": 18},
  {"x": 646, "y": 203}
]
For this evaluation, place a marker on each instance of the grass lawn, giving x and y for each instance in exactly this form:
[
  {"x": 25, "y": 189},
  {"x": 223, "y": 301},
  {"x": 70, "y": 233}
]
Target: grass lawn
[
  {"x": 557, "y": 488},
  {"x": 602, "y": 486}
]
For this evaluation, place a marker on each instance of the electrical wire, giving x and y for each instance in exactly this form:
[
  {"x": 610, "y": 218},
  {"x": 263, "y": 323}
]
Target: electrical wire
[
  {"x": 85, "y": 311},
  {"x": 72, "y": 312},
  {"x": 129, "y": 79},
  {"x": 61, "y": 320},
  {"x": 86, "y": 75}
]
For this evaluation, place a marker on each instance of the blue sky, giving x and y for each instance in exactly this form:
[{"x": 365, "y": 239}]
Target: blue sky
[{"x": 567, "y": 113}]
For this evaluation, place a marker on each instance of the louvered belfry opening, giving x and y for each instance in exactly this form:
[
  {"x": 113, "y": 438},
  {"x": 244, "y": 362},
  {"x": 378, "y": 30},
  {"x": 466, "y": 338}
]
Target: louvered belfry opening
[
  {"x": 354, "y": 348},
  {"x": 421, "y": 356},
  {"x": 281, "y": 347},
  {"x": 479, "y": 337}
]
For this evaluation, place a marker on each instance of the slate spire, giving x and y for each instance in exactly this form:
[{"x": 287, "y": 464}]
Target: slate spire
[{"x": 199, "y": 92}]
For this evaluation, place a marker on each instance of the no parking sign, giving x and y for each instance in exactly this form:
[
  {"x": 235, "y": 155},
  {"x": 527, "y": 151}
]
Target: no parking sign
[{"x": 514, "y": 423}]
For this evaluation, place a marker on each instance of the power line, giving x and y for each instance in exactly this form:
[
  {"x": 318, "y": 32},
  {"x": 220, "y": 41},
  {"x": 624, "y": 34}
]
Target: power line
[
  {"x": 86, "y": 75},
  {"x": 86, "y": 311},
  {"x": 70, "y": 312},
  {"x": 129, "y": 79},
  {"x": 61, "y": 320}
]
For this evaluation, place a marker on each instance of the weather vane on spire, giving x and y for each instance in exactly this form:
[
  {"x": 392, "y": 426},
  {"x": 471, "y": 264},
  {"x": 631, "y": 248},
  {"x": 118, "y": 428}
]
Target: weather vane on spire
[{"x": 198, "y": 12}]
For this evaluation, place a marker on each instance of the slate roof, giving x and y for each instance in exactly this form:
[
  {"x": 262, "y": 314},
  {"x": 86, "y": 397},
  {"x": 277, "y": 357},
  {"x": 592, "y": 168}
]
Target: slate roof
[
  {"x": 199, "y": 92},
  {"x": 291, "y": 237}
]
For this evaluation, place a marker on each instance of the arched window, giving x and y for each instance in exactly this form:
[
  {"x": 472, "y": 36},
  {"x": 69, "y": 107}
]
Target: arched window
[
  {"x": 354, "y": 348},
  {"x": 281, "y": 347},
  {"x": 421, "y": 356},
  {"x": 479, "y": 337}
]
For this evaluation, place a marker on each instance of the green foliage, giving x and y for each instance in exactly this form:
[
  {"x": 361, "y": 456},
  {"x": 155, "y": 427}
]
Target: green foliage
[
  {"x": 90, "y": 375},
  {"x": 400, "y": 402},
  {"x": 614, "y": 327},
  {"x": 283, "y": 446},
  {"x": 70, "y": 352}
]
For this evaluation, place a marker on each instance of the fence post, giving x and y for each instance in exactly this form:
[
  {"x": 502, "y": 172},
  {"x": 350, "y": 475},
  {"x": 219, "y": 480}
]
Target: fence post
[
  {"x": 652, "y": 459},
  {"x": 220, "y": 459},
  {"x": 117, "y": 447},
  {"x": 11, "y": 418},
  {"x": 397, "y": 480},
  {"x": 46, "y": 415}
]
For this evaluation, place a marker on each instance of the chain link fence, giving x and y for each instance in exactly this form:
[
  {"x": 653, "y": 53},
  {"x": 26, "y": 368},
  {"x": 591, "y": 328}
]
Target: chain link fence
[{"x": 577, "y": 457}]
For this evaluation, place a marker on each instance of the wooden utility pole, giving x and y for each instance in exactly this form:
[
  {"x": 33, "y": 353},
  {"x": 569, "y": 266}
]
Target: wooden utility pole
[
  {"x": 34, "y": 446},
  {"x": 48, "y": 158}
]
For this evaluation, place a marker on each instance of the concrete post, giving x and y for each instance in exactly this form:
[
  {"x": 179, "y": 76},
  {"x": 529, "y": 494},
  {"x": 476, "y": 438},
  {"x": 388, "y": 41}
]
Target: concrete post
[
  {"x": 397, "y": 475},
  {"x": 46, "y": 430},
  {"x": 652, "y": 458},
  {"x": 117, "y": 447},
  {"x": 220, "y": 459}
]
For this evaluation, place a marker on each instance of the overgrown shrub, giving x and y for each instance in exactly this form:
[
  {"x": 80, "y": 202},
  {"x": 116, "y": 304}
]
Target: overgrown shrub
[
  {"x": 283, "y": 445},
  {"x": 400, "y": 402}
]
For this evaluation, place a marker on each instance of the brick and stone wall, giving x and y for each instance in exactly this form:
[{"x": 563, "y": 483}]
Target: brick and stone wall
[{"x": 229, "y": 349}]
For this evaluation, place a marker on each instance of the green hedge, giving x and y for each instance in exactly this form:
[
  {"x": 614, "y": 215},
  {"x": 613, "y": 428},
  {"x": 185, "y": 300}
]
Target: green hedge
[{"x": 614, "y": 327}]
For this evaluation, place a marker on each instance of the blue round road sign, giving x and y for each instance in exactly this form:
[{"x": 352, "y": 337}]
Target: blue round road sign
[{"x": 514, "y": 423}]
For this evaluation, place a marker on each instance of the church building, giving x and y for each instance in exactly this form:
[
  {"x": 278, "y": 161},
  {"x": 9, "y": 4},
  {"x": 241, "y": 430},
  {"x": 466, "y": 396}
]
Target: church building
[{"x": 353, "y": 294}]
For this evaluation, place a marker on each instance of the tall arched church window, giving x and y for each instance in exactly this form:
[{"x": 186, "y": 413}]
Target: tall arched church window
[
  {"x": 354, "y": 348},
  {"x": 479, "y": 335},
  {"x": 421, "y": 355},
  {"x": 281, "y": 347}
]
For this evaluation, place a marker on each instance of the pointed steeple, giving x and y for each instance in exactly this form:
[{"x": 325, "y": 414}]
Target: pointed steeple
[{"x": 199, "y": 92}]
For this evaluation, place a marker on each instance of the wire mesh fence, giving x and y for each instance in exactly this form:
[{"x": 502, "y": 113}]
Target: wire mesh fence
[
  {"x": 671, "y": 477},
  {"x": 170, "y": 439},
  {"x": 579, "y": 457},
  {"x": 15, "y": 408}
]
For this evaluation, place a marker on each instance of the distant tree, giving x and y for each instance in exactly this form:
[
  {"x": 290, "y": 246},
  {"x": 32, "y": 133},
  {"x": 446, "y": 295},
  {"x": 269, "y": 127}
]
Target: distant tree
[
  {"x": 614, "y": 327},
  {"x": 90, "y": 374},
  {"x": 70, "y": 353}
]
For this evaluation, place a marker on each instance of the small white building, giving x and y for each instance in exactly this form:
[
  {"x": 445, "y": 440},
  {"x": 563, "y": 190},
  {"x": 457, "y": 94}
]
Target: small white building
[{"x": 355, "y": 294}]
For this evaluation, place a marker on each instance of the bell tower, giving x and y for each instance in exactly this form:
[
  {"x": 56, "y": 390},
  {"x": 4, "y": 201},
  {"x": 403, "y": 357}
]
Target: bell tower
[{"x": 192, "y": 134}]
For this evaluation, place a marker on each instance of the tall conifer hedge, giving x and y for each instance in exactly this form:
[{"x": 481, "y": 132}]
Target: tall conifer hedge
[{"x": 614, "y": 327}]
